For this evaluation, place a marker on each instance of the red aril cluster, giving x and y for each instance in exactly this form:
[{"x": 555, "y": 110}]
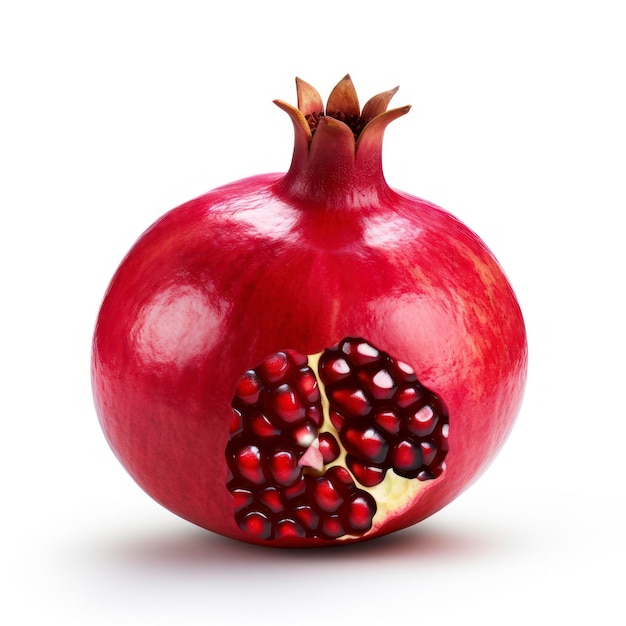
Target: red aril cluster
[
  {"x": 385, "y": 418},
  {"x": 283, "y": 439}
]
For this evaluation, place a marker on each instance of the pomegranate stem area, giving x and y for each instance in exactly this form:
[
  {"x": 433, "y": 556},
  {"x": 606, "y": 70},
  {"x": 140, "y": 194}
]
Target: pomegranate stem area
[{"x": 338, "y": 150}]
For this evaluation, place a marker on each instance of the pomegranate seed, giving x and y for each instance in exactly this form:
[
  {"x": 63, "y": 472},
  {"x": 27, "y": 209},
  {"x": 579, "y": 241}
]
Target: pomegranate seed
[
  {"x": 429, "y": 452},
  {"x": 367, "y": 475},
  {"x": 329, "y": 447},
  {"x": 305, "y": 435},
  {"x": 423, "y": 422},
  {"x": 284, "y": 467},
  {"x": 288, "y": 527},
  {"x": 261, "y": 426},
  {"x": 235, "y": 422},
  {"x": 248, "y": 462},
  {"x": 249, "y": 387},
  {"x": 326, "y": 495},
  {"x": 360, "y": 512},
  {"x": 307, "y": 384},
  {"x": 340, "y": 477},
  {"x": 332, "y": 527},
  {"x": 444, "y": 433},
  {"x": 275, "y": 367},
  {"x": 384, "y": 385},
  {"x": 360, "y": 352},
  {"x": 287, "y": 404},
  {"x": 380, "y": 384},
  {"x": 314, "y": 414},
  {"x": 388, "y": 421},
  {"x": 408, "y": 396},
  {"x": 407, "y": 371},
  {"x": 425, "y": 475},
  {"x": 406, "y": 457},
  {"x": 256, "y": 524},
  {"x": 351, "y": 401},
  {"x": 270, "y": 497},
  {"x": 368, "y": 443},
  {"x": 334, "y": 369},
  {"x": 294, "y": 491},
  {"x": 307, "y": 515},
  {"x": 242, "y": 496},
  {"x": 337, "y": 420}
]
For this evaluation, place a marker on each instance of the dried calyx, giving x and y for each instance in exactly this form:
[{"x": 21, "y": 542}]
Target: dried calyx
[
  {"x": 337, "y": 149},
  {"x": 342, "y": 105}
]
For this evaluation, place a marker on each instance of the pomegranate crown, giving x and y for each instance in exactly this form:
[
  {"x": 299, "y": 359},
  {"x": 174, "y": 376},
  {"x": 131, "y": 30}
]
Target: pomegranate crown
[
  {"x": 341, "y": 140},
  {"x": 343, "y": 114},
  {"x": 343, "y": 106}
]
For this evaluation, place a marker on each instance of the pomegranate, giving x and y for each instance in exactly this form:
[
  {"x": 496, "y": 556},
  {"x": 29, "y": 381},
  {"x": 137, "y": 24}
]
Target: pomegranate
[{"x": 309, "y": 358}]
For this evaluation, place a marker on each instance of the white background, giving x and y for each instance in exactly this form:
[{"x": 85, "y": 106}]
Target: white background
[{"x": 112, "y": 113}]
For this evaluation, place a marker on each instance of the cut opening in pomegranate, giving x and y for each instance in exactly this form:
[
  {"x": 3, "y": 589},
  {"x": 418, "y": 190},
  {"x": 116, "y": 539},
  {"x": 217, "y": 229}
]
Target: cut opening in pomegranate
[{"x": 324, "y": 446}]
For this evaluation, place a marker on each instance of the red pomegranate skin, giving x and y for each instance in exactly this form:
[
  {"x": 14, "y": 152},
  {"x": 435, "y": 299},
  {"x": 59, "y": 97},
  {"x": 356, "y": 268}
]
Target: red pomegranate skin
[{"x": 284, "y": 261}]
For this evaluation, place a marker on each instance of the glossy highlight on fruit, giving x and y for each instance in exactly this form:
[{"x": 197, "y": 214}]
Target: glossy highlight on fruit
[{"x": 310, "y": 358}]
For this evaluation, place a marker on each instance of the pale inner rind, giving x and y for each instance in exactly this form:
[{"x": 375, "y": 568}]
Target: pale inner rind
[{"x": 395, "y": 493}]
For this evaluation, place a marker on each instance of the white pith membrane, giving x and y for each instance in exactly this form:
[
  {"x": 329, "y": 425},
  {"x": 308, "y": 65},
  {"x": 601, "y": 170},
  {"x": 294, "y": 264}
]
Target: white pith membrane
[{"x": 393, "y": 495}]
